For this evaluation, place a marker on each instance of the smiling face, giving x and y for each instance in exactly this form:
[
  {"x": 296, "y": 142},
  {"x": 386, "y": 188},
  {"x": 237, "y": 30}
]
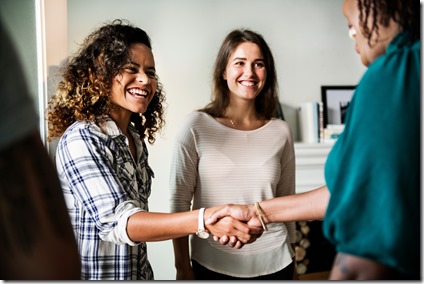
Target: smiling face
[
  {"x": 134, "y": 87},
  {"x": 245, "y": 72}
]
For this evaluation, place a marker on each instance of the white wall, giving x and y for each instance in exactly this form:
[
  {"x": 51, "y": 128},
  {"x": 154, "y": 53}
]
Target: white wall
[
  {"x": 19, "y": 18},
  {"x": 309, "y": 40}
]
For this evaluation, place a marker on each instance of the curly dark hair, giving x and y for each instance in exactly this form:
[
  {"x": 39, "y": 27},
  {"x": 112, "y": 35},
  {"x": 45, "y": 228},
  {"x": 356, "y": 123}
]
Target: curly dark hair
[
  {"x": 84, "y": 91},
  {"x": 404, "y": 12},
  {"x": 266, "y": 102}
]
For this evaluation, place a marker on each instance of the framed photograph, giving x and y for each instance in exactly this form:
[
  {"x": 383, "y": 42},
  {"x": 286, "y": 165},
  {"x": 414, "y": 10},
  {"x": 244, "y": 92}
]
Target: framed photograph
[{"x": 335, "y": 101}]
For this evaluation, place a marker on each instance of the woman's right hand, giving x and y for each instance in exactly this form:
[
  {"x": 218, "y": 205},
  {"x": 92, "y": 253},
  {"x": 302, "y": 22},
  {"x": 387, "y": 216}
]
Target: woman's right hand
[
  {"x": 244, "y": 213},
  {"x": 230, "y": 226}
]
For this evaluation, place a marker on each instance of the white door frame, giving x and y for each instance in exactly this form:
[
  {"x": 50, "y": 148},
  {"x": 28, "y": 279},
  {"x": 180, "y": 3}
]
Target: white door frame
[{"x": 52, "y": 49}]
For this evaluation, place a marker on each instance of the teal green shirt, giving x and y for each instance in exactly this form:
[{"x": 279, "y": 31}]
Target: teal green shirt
[{"x": 373, "y": 170}]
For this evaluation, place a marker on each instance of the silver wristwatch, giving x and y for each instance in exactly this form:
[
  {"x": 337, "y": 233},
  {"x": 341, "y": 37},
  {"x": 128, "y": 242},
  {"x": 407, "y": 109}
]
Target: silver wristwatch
[{"x": 201, "y": 232}]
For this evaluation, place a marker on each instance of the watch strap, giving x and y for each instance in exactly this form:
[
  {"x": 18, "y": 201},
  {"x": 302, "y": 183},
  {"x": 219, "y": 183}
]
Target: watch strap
[{"x": 201, "y": 221}]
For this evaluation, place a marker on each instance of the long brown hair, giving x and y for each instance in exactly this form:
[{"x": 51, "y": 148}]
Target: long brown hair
[
  {"x": 267, "y": 101},
  {"x": 84, "y": 92}
]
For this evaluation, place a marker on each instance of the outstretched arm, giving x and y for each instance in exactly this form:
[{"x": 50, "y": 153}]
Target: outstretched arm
[
  {"x": 151, "y": 226},
  {"x": 306, "y": 206}
]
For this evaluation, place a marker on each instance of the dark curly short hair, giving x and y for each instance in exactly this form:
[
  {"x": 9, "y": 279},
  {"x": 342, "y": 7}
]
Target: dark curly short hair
[
  {"x": 405, "y": 12},
  {"x": 84, "y": 91}
]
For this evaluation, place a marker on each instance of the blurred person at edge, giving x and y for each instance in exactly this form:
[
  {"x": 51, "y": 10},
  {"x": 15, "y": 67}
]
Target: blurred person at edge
[
  {"x": 35, "y": 231},
  {"x": 370, "y": 204}
]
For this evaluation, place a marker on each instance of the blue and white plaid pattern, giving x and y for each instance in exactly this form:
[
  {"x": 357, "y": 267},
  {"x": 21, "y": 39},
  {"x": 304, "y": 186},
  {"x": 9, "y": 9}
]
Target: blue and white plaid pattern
[{"x": 103, "y": 186}]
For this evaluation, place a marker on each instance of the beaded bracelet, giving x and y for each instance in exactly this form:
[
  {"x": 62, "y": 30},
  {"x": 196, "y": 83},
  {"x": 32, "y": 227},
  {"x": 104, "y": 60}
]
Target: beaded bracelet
[{"x": 261, "y": 216}]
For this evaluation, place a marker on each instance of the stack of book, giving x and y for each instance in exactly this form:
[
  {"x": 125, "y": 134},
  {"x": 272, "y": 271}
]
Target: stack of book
[{"x": 311, "y": 124}]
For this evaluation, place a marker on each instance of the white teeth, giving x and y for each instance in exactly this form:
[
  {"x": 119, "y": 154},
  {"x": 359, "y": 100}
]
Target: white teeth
[
  {"x": 249, "y": 84},
  {"x": 138, "y": 92}
]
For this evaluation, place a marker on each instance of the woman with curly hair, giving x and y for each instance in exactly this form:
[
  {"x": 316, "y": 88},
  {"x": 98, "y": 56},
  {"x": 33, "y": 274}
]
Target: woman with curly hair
[
  {"x": 107, "y": 103},
  {"x": 371, "y": 202}
]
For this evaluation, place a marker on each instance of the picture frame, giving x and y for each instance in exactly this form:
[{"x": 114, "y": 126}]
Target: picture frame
[{"x": 335, "y": 100}]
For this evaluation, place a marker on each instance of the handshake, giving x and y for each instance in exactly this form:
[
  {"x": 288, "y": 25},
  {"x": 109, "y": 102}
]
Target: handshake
[{"x": 235, "y": 225}]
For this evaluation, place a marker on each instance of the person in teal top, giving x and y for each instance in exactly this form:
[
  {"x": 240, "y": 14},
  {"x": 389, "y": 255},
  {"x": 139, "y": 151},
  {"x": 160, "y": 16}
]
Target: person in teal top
[
  {"x": 374, "y": 167},
  {"x": 370, "y": 205}
]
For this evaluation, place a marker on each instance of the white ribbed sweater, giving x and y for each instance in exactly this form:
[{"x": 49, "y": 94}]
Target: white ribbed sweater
[{"x": 213, "y": 165}]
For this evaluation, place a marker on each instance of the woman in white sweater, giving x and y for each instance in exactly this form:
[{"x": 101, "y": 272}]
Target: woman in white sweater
[{"x": 235, "y": 151}]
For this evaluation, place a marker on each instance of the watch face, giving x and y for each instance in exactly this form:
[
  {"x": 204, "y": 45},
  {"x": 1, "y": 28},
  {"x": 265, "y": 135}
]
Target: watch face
[{"x": 202, "y": 234}]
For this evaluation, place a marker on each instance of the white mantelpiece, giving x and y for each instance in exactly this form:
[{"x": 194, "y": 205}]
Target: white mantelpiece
[{"x": 310, "y": 161}]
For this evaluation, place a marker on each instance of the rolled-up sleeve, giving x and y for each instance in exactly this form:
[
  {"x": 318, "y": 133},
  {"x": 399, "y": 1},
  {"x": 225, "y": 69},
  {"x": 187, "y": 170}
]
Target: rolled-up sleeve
[{"x": 99, "y": 184}]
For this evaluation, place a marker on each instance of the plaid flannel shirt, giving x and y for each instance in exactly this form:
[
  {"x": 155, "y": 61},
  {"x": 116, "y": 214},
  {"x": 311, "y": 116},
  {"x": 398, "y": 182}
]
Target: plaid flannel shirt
[{"x": 103, "y": 185}]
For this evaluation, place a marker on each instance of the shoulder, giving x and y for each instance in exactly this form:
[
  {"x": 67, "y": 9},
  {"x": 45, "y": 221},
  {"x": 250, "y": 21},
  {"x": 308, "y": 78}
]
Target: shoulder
[
  {"x": 196, "y": 117},
  {"x": 401, "y": 63},
  {"x": 81, "y": 127},
  {"x": 82, "y": 132},
  {"x": 279, "y": 123},
  {"x": 196, "y": 124},
  {"x": 195, "y": 120},
  {"x": 280, "y": 126},
  {"x": 396, "y": 74},
  {"x": 278, "y": 132},
  {"x": 285, "y": 133}
]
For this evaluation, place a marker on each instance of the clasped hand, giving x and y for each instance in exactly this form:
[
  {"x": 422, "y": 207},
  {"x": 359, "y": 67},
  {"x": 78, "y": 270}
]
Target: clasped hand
[{"x": 235, "y": 225}]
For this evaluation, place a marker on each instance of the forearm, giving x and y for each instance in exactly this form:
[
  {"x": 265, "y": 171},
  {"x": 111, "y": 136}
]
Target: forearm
[
  {"x": 299, "y": 207},
  {"x": 306, "y": 206},
  {"x": 150, "y": 227}
]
